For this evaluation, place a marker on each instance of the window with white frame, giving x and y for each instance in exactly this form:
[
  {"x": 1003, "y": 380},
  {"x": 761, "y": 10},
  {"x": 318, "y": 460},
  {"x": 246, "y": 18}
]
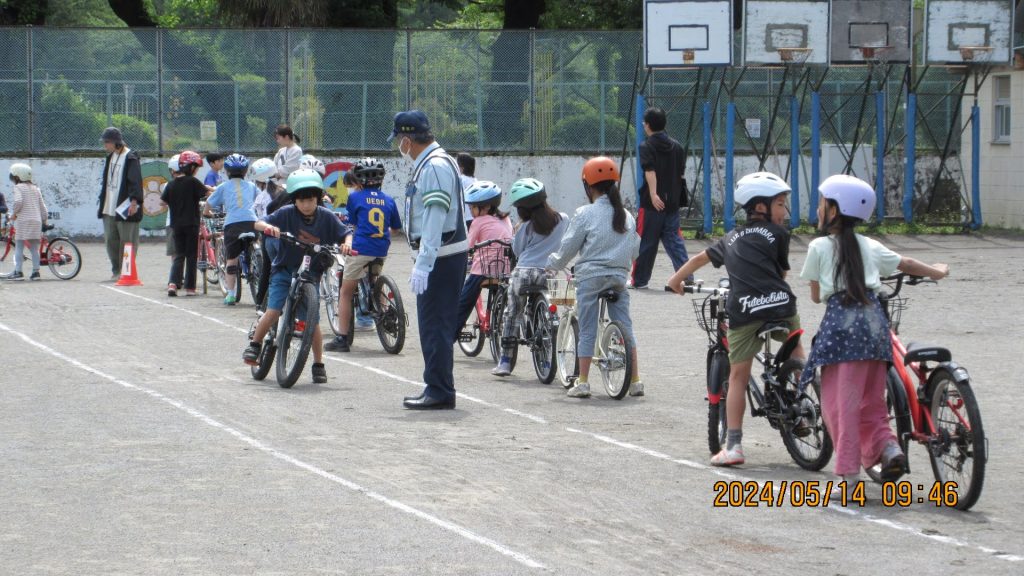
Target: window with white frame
[{"x": 1001, "y": 106}]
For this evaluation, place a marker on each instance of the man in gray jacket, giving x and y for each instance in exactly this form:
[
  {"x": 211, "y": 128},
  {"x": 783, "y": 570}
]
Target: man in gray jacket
[{"x": 120, "y": 202}]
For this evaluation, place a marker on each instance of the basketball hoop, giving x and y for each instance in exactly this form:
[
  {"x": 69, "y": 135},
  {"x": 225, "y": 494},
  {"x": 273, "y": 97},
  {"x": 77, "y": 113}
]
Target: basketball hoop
[
  {"x": 794, "y": 56},
  {"x": 688, "y": 56},
  {"x": 976, "y": 54},
  {"x": 876, "y": 54}
]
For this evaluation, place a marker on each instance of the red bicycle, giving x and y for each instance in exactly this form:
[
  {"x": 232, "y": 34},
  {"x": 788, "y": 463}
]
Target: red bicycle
[
  {"x": 931, "y": 402},
  {"x": 60, "y": 254},
  {"x": 485, "y": 319},
  {"x": 210, "y": 247}
]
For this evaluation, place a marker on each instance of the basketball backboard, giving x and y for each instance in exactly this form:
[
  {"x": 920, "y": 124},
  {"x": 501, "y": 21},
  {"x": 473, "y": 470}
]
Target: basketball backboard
[
  {"x": 773, "y": 24},
  {"x": 686, "y": 33},
  {"x": 858, "y": 24},
  {"x": 954, "y": 24}
]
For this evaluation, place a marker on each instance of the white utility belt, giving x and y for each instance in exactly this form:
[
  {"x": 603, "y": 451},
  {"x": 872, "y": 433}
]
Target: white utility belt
[{"x": 448, "y": 249}]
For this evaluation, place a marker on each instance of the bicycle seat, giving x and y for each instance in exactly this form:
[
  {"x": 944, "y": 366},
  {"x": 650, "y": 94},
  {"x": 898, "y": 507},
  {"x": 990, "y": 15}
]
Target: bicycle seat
[
  {"x": 247, "y": 236},
  {"x": 768, "y": 328},
  {"x": 47, "y": 227},
  {"x": 531, "y": 289},
  {"x": 925, "y": 353},
  {"x": 609, "y": 295}
]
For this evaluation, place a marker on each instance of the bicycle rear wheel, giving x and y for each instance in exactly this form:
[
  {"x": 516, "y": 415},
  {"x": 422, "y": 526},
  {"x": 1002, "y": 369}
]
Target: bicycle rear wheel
[
  {"x": 473, "y": 332},
  {"x": 542, "y": 343},
  {"x": 391, "y": 320},
  {"x": 958, "y": 451},
  {"x": 63, "y": 258},
  {"x": 616, "y": 361},
  {"x": 565, "y": 350},
  {"x": 803, "y": 429},
  {"x": 718, "y": 390},
  {"x": 6, "y": 257},
  {"x": 293, "y": 344}
]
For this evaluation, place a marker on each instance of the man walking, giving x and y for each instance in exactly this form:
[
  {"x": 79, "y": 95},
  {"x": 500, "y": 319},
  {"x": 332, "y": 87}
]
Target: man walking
[
  {"x": 663, "y": 162},
  {"x": 120, "y": 205},
  {"x": 436, "y": 231}
]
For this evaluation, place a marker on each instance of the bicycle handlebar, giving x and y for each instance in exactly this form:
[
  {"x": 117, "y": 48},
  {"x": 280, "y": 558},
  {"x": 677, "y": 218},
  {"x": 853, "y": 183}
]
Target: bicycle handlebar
[
  {"x": 307, "y": 246},
  {"x": 699, "y": 288},
  {"x": 901, "y": 278}
]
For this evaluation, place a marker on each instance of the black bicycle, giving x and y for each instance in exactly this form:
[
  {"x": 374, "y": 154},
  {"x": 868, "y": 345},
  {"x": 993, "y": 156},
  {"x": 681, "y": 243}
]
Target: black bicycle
[
  {"x": 796, "y": 415},
  {"x": 377, "y": 296},
  {"x": 250, "y": 266}
]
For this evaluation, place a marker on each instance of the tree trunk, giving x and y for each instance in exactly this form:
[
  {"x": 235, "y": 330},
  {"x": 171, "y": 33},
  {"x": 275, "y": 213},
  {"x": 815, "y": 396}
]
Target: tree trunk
[{"x": 511, "y": 63}]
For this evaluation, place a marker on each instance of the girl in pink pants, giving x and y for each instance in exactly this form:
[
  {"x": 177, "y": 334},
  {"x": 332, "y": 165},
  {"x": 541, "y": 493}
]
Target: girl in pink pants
[{"x": 852, "y": 346}]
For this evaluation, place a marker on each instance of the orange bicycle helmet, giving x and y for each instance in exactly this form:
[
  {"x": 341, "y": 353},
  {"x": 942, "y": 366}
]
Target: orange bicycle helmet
[{"x": 600, "y": 169}]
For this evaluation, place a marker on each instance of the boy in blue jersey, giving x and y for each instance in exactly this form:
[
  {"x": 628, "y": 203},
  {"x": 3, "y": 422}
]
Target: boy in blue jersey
[
  {"x": 237, "y": 198},
  {"x": 370, "y": 213},
  {"x": 215, "y": 161},
  {"x": 310, "y": 222}
]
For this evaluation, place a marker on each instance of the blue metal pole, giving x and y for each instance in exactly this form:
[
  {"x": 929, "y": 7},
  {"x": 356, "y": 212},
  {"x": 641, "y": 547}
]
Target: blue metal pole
[
  {"x": 812, "y": 194},
  {"x": 641, "y": 108},
  {"x": 728, "y": 211},
  {"x": 880, "y": 156},
  {"x": 976, "y": 166},
  {"x": 911, "y": 144},
  {"x": 794, "y": 161},
  {"x": 707, "y": 167}
]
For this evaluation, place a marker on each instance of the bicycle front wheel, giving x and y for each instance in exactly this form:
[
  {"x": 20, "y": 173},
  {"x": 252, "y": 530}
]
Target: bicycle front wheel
[
  {"x": 898, "y": 414},
  {"x": 803, "y": 431},
  {"x": 497, "y": 314},
  {"x": 958, "y": 451},
  {"x": 266, "y": 358},
  {"x": 718, "y": 390},
  {"x": 566, "y": 350},
  {"x": 64, "y": 258},
  {"x": 471, "y": 337},
  {"x": 295, "y": 334},
  {"x": 222, "y": 266},
  {"x": 391, "y": 314},
  {"x": 543, "y": 342},
  {"x": 329, "y": 294},
  {"x": 254, "y": 257},
  {"x": 616, "y": 360}
]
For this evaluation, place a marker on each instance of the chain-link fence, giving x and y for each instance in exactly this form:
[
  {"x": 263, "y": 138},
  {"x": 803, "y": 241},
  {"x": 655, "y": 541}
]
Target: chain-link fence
[{"x": 496, "y": 91}]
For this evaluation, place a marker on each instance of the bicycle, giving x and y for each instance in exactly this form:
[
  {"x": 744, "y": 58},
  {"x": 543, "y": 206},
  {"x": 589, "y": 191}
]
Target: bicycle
[
  {"x": 250, "y": 266},
  {"x": 614, "y": 351},
  {"x": 794, "y": 413},
  {"x": 290, "y": 341},
  {"x": 376, "y": 296},
  {"x": 60, "y": 254},
  {"x": 206, "y": 263},
  {"x": 484, "y": 321},
  {"x": 931, "y": 402}
]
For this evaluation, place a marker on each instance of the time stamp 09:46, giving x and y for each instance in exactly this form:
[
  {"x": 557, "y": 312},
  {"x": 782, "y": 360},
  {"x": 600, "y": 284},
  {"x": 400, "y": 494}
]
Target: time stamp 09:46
[{"x": 814, "y": 493}]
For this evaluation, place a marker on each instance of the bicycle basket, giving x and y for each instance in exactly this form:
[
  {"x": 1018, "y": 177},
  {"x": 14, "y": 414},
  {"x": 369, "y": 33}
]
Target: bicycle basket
[
  {"x": 561, "y": 292},
  {"x": 495, "y": 262},
  {"x": 702, "y": 309},
  {"x": 894, "y": 308}
]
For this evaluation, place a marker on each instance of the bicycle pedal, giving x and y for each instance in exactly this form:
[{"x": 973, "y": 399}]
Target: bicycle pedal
[{"x": 466, "y": 337}]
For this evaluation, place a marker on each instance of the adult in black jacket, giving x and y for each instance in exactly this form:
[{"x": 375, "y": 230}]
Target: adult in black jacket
[
  {"x": 122, "y": 181},
  {"x": 663, "y": 162}
]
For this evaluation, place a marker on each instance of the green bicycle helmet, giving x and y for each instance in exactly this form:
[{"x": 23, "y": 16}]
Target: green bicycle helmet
[
  {"x": 305, "y": 182},
  {"x": 527, "y": 193}
]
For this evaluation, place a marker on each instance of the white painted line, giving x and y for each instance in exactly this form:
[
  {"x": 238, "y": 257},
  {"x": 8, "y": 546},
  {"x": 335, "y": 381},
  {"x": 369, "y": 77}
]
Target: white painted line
[
  {"x": 628, "y": 446},
  {"x": 257, "y": 444},
  {"x": 833, "y": 506}
]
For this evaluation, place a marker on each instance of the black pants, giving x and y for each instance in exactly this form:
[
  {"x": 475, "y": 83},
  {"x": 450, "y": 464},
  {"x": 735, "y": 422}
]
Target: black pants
[{"x": 186, "y": 252}]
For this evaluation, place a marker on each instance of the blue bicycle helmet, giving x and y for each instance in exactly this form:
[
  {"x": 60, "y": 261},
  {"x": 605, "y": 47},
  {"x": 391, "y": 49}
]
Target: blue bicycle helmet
[
  {"x": 482, "y": 192},
  {"x": 236, "y": 165}
]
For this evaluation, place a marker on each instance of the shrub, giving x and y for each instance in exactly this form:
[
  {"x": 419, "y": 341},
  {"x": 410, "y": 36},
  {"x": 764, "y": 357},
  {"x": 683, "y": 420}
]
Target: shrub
[
  {"x": 583, "y": 132},
  {"x": 139, "y": 134},
  {"x": 66, "y": 120}
]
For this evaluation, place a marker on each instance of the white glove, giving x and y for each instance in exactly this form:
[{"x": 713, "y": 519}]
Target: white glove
[{"x": 418, "y": 281}]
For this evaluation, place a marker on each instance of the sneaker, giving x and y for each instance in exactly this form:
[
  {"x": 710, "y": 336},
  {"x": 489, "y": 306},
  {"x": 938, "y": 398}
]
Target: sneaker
[
  {"x": 172, "y": 290},
  {"x": 644, "y": 287},
  {"x": 727, "y": 457},
  {"x": 338, "y": 344},
  {"x": 190, "y": 292},
  {"x": 319, "y": 373},
  {"x": 579, "y": 390},
  {"x": 251, "y": 355},
  {"x": 229, "y": 300},
  {"x": 894, "y": 463},
  {"x": 503, "y": 368},
  {"x": 16, "y": 276},
  {"x": 636, "y": 388},
  {"x": 34, "y": 276}
]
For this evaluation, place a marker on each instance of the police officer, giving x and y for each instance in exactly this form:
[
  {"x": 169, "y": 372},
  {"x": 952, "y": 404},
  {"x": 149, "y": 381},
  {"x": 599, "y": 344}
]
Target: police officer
[{"x": 436, "y": 231}]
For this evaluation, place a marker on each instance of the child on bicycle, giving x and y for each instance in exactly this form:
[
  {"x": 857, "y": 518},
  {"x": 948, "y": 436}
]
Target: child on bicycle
[
  {"x": 539, "y": 235},
  {"x": 309, "y": 221},
  {"x": 373, "y": 216},
  {"x": 236, "y": 198},
  {"x": 29, "y": 212},
  {"x": 853, "y": 346},
  {"x": 489, "y": 223},
  {"x": 182, "y": 197},
  {"x": 261, "y": 172},
  {"x": 604, "y": 236},
  {"x": 756, "y": 256}
]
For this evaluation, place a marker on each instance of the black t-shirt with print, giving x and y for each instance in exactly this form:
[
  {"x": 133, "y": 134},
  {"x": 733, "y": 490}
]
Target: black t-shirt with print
[
  {"x": 183, "y": 195},
  {"x": 756, "y": 256}
]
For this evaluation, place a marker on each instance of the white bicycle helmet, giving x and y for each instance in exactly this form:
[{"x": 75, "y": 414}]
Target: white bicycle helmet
[
  {"x": 312, "y": 163},
  {"x": 263, "y": 170},
  {"x": 21, "y": 171},
  {"x": 854, "y": 196},
  {"x": 759, "y": 185},
  {"x": 172, "y": 164}
]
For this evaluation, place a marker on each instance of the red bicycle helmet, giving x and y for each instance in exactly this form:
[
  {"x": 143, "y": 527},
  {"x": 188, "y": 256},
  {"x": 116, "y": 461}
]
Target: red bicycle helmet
[{"x": 189, "y": 157}]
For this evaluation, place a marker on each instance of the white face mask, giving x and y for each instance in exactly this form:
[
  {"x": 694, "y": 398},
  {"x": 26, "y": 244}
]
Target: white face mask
[{"x": 406, "y": 154}]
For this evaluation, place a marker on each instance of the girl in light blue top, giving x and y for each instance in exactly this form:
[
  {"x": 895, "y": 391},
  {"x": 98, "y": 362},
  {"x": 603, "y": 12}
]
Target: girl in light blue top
[{"x": 604, "y": 236}]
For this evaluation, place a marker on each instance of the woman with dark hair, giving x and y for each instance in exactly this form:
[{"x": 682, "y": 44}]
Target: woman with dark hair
[{"x": 289, "y": 156}]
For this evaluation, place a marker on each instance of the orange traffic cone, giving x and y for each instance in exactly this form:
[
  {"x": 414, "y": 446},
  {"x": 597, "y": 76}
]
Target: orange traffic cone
[{"x": 129, "y": 274}]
